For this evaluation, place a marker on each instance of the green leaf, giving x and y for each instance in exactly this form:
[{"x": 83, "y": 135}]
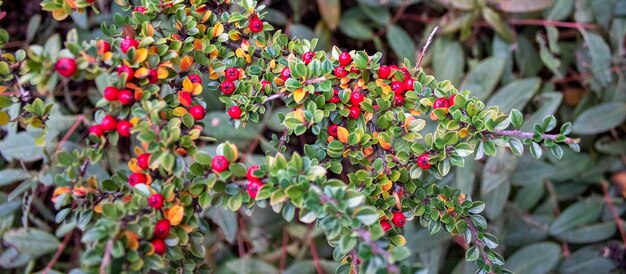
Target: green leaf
[
  {"x": 576, "y": 215},
  {"x": 401, "y": 43},
  {"x": 515, "y": 6},
  {"x": 600, "y": 57},
  {"x": 498, "y": 25},
  {"x": 600, "y": 118},
  {"x": 448, "y": 60},
  {"x": 587, "y": 260},
  {"x": 226, "y": 220},
  {"x": 484, "y": 77},
  {"x": 472, "y": 254},
  {"x": 366, "y": 214},
  {"x": 31, "y": 241},
  {"x": 515, "y": 94},
  {"x": 590, "y": 233},
  {"x": 355, "y": 29},
  {"x": 549, "y": 103},
  {"x": 517, "y": 119},
  {"x": 538, "y": 258},
  {"x": 249, "y": 265},
  {"x": 12, "y": 175},
  {"x": 330, "y": 10},
  {"x": 21, "y": 146}
]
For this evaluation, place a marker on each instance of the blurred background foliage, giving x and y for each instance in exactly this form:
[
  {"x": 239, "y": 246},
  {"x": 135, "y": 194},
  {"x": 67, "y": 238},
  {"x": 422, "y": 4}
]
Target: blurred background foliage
[{"x": 561, "y": 57}]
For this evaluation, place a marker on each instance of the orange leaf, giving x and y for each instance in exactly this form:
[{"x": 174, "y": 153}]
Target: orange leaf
[
  {"x": 141, "y": 55},
  {"x": 186, "y": 62},
  {"x": 184, "y": 98},
  {"x": 141, "y": 73},
  {"x": 175, "y": 215},
  {"x": 299, "y": 95},
  {"x": 218, "y": 29},
  {"x": 342, "y": 134},
  {"x": 133, "y": 166},
  {"x": 133, "y": 239}
]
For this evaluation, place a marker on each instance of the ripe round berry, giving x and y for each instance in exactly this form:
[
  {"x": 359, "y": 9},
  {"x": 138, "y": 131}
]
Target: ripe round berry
[
  {"x": 232, "y": 74},
  {"x": 140, "y": 9},
  {"x": 96, "y": 130},
  {"x": 397, "y": 87},
  {"x": 128, "y": 43},
  {"x": 332, "y": 130},
  {"x": 197, "y": 112},
  {"x": 335, "y": 99},
  {"x": 256, "y": 25},
  {"x": 285, "y": 74},
  {"x": 253, "y": 188},
  {"x": 153, "y": 77},
  {"x": 234, "y": 112},
  {"x": 250, "y": 173},
  {"x": 143, "y": 160},
  {"x": 422, "y": 161},
  {"x": 307, "y": 57},
  {"x": 162, "y": 228},
  {"x": 126, "y": 97},
  {"x": 227, "y": 87},
  {"x": 137, "y": 178},
  {"x": 111, "y": 93},
  {"x": 355, "y": 112},
  {"x": 219, "y": 163},
  {"x": 155, "y": 201},
  {"x": 103, "y": 47},
  {"x": 265, "y": 84},
  {"x": 341, "y": 71},
  {"x": 398, "y": 100},
  {"x": 108, "y": 123},
  {"x": 451, "y": 100},
  {"x": 66, "y": 66},
  {"x": 124, "y": 127},
  {"x": 159, "y": 246},
  {"x": 345, "y": 58},
  {"x": 195, "y": 78},
  {"x": 356, "y": 98},
  {"x": 125, "y": 69},
  {"x": 386, "y": 225},
  {"x": 384, "y": 71},
  {"x": 398, "y": 219},
  {"x": 408, "y": 84},
  {"x": 354, "y": 70},
  {"x": 441, "y": 103}
]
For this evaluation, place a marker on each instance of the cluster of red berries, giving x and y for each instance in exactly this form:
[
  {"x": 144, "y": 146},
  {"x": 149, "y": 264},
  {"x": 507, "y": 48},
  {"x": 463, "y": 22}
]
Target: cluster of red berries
[
  {"x": 254, "y": 183},
  {"x": 161, "y": 230},
  {"x": 109, "y": 124},
  {"x": 143, "y": 162},
  {"x": 398, "y": 220},
  {"x": 228, "y": 87}
]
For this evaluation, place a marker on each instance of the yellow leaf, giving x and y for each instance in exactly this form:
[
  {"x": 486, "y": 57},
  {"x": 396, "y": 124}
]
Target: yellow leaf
[
  {"x": 384, "y": 144},
  {"x": 197, "y": 89},
  {"x": 141, "y": 73},
  {"x": 138, "y": 150},
  {"x": 135, "y": 120},
  {"x": 342, "y": 134},
  {"x": 175, "y": 215},
  {"x": 400, "y": 240},
  {"x": 162, "y": 73},
  {"x": 463, "y": 133},
  {"x": 98, "y": 208},
  {"x": 59, "y": 14},
  {"x": 4, "y": 118},
  {"x": 133, "y": 166},
  {"x": 233, "y": 147},
  {"x": 218, "y": 29},
  {"x": 179, "y": 111},
  {"x": 133, "y": 239},
  {"x": 187, "y": 85},
  {"x": 299, "y": 114},
  {"x": 386, "y": 186},
  {"x": 299, "y": 95},
  {"x": 141, "y": 54}
]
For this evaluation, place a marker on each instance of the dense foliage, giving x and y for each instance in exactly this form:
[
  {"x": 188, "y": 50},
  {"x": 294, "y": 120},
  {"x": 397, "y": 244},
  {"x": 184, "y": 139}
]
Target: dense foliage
[{"x": 148, "y": 175}]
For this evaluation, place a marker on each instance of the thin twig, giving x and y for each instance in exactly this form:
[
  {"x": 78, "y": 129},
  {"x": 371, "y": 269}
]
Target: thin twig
[
  {"x": 106, "y": 260},
  {"x": 430, "y": 39},
  {"x": 521, "y": 134},
  {"x": 313, "y": 249},
  {"x": 58, "y": 253},
  {"x": 283, "y": 256},
  {"x": 73, "y": 128},
  {"x": 479, "y": 243},
  {"x": 616, "y": 217}
]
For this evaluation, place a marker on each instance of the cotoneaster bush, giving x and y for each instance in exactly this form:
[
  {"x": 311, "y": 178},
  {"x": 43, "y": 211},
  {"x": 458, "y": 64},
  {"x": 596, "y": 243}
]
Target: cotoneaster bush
[{"x": 385, "y": 135}]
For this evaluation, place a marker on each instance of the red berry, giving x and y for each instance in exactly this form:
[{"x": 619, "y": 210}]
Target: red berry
[
  {"x": 422, "y": 161},
  {"x": 340, "y": 71},
  {"x": 162, "y": 228},
  {"x": 397, "y": 87},
  {"x": 66, "y": 66},
  {"x": 408, "y": 84},
  {"x": 159, "y": 246},
  {"x": 103, "y": 47},
  {"x": 124, "y": 127},
  {"x": 250, "y": 173},
  {"x": 253, "y": 188},
  {"x": 108, "y": 123},
  {"x": 386, "y": 225},
  {"x": 128, "y": 43},
  {"x": 441, "y": 103},
  {"x": 143, "y": 160},
  {"x": 398, "y": 100},
  {"x": 451, "y": 100},
  {"x": 355, "y": 112},
  {"x": 354, "y": 70},
  {"x": 332, "y": 130},
  {"x": 126, "y": 97},
  {"x": 137, "y": 178},
  {"x": 227, "y": 87},
  {"x": 219, "y": 163},
  {"x": 125, "y": 69},
  {"x": 398, "y": 219},
  {"x": 155, "y": 201},
  {"x": 285, "y": 74},
  {"x": 356, "y": 98},
  {"x": 264, "y": 84},
  {"x": 307, "y": 57},
  {"x": 140, "y": 9},
  {"x": 335, "y": 99},
  {"x": 153, "y": 77},
  {"x": 96, "y": 130},
  {"x": 195, "y": 78},
  {"x": 111, "y": 93},
  {"x": 384, "y": 72},
  {"x": 345, "y": 58},
  {"x": 197, "y": 112},
  {"x": 232, "y": 74},
  {"x": 256, "y": 25},
  {"x": 234, "y": 112}
]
